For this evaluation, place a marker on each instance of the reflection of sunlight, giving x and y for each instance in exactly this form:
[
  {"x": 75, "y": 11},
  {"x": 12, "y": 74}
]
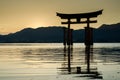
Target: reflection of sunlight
[
  {"x": 48, "y": 59},
  {"x": 110, "y": 71},
  {"x": 42, "y": 64}
]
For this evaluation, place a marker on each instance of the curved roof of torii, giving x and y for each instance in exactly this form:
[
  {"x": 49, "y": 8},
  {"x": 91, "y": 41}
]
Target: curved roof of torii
[{"x": 80, "y": 15}]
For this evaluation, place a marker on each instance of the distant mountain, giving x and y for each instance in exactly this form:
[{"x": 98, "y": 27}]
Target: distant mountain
[
  {"x": 105, "y": 33},
  {"x": 28, "y": 35},
  {"x": 110, "y": 27}
]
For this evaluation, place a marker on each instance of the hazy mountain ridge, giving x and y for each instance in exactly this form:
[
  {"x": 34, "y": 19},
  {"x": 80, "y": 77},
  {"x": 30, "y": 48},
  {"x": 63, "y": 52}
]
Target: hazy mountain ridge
[
  {"x": 110, "y": 27},
  {"x": 42, "y": 34},
  {"x": 105, "y": 33}
]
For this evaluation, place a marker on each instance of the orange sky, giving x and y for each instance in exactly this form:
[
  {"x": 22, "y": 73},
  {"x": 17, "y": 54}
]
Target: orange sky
[{"x": 18, "y": 14}]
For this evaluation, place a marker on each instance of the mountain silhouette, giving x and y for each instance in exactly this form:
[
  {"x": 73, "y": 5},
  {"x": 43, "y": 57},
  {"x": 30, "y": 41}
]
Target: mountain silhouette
[
  {"x": 28, "y": 35},
  {"x": 105, "y": 33}
]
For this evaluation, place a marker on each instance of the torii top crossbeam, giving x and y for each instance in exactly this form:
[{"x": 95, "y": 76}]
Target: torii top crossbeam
[{"x": 79, "y": 16}]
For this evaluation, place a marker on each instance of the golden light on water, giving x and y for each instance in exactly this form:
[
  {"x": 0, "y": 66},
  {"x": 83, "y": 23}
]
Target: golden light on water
[{"x": 32, "y": 61}]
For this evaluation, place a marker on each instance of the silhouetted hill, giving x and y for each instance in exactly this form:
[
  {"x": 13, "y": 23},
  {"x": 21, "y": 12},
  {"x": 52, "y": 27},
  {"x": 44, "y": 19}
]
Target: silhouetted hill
[
  {"x": 78, "y": 35},
  {"x": 105, "y": 33},
  {"x": 110, "y": 27},
  {"x": 42, "y": 34}
]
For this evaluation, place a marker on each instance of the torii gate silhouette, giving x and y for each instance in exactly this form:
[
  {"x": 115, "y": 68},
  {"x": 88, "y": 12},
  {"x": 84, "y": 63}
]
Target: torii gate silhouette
[
  {"x": 79, "y": 18},
  {"x": 88, "y": 32}
]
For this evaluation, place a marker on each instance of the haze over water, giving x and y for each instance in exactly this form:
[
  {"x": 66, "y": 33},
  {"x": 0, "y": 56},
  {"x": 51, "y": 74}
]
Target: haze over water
[{"x": 45, "y": 61}]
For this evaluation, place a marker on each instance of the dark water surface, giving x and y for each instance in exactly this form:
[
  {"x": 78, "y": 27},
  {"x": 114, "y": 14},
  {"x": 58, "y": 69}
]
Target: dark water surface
[{"x": 46, "y": 61}]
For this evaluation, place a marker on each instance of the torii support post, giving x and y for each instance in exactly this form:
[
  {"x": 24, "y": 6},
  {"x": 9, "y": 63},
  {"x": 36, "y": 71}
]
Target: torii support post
[
  {"x": 66, "y": 35},
  {"x": 88, "y": 43},
  {"x": 68, "y": 31},
  {"x": 71, "y": 37},
  {"x": 88, "y": 36}
]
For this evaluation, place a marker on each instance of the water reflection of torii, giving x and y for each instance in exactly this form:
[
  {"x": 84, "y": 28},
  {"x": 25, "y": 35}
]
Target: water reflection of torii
[{"x": 68, "y": 40}]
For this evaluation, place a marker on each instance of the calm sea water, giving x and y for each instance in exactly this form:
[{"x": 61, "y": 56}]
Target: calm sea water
[{"x": 46, "y": 61}]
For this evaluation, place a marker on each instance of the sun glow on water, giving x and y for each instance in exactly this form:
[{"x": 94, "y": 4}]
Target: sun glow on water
[{"x": 40, "y": 60}]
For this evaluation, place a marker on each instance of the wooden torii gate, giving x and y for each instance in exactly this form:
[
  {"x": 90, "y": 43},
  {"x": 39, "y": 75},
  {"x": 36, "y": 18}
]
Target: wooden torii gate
[
  {"x": 88, "y": 31},
  {"x": 79, "y": 18}
]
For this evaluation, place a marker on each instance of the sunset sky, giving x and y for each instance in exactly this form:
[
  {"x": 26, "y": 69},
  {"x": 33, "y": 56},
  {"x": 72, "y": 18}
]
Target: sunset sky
[{"x": 18, "y": 14}]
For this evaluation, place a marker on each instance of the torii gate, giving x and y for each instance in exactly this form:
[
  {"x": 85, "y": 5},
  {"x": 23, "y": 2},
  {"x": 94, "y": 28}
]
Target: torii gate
[
  {"x": 88, "y": 30},
  {"x": 79, "y": 18}
]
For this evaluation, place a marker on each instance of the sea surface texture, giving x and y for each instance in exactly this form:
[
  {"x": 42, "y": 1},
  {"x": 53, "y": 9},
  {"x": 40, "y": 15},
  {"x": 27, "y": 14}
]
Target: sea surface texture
[{"x": 51, "y": 61}]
